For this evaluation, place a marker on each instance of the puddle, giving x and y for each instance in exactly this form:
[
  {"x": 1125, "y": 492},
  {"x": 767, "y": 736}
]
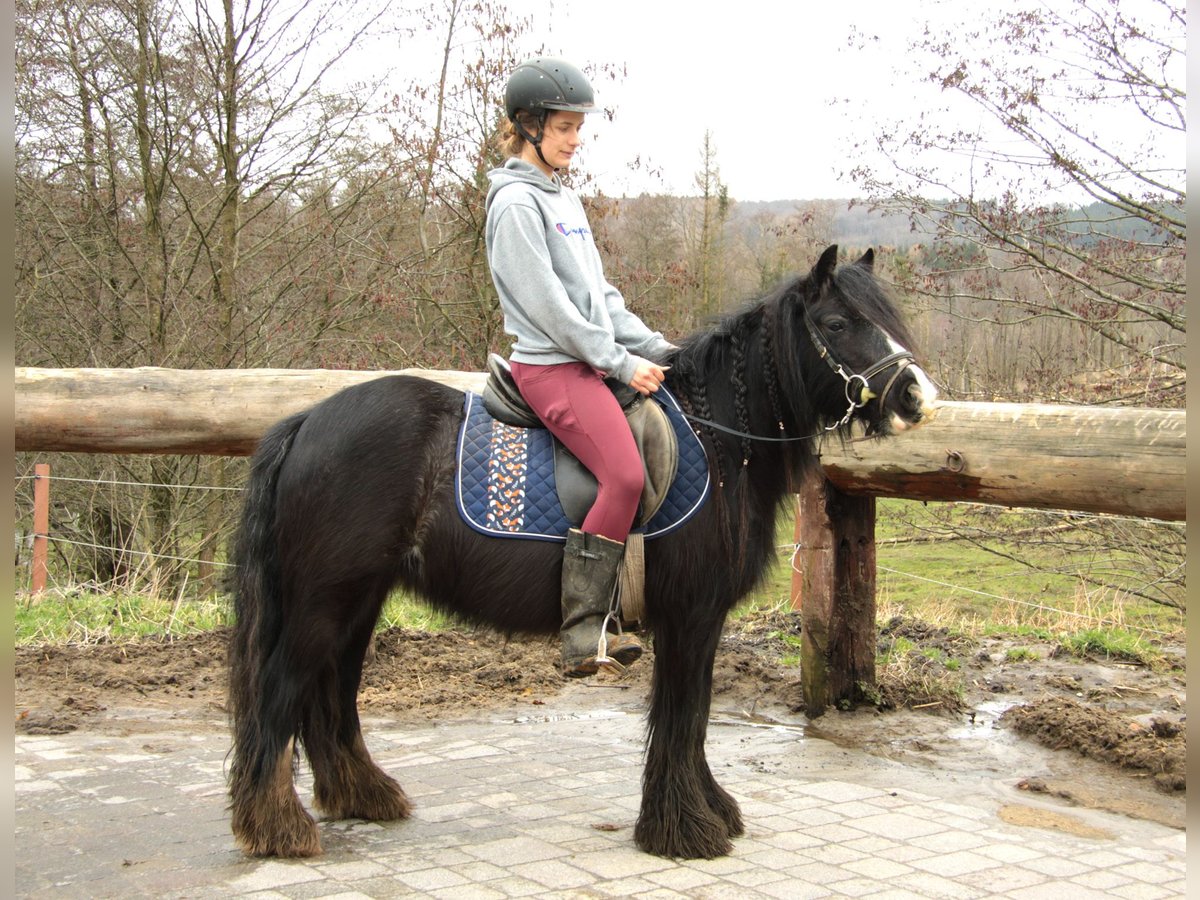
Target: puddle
[
  {"x": 756, "y": 720},
  {"x": 564, "y": 717},
  {"x": 981, "y": 720},
  {"x": 837, "y": 739}
]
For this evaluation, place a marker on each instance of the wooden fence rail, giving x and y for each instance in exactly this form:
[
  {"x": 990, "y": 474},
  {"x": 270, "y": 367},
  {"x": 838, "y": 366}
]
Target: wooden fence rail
[
  {"x": 1093, "y": 459},
  {"x": 1105, "y": 460}
]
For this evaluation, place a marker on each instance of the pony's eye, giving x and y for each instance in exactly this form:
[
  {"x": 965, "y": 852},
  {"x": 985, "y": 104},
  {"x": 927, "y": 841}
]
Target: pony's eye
[{"x": 835, "y": 325}]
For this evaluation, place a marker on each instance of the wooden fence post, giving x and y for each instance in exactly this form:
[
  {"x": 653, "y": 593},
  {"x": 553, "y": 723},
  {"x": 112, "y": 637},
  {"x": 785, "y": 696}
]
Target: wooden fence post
[
  {"x": 812, "y": 559},
  {"x": 834, "y": 588},
  {"x": 41, "y": 526}
]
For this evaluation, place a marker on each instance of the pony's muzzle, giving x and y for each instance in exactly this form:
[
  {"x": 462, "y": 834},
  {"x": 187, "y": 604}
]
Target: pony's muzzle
[{"x": 917, "y": 402}]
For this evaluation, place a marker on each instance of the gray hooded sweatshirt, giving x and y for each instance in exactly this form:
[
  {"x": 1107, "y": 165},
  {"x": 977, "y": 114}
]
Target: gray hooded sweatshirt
[{"x": 548, "y": 273}]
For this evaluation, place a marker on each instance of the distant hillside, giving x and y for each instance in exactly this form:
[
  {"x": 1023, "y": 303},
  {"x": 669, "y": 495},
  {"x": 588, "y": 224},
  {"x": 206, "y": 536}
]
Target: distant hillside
[
  {"x": 853, "y": 225},
  {"x": 859, "y": 226}
]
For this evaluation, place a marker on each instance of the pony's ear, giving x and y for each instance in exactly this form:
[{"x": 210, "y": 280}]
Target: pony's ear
[
  {"x": 868, "y": 260},
  {"x": 822, "y": 273}
]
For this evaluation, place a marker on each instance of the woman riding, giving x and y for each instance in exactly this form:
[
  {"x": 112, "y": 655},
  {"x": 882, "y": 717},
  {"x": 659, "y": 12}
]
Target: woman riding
[{"x": 571, "y": 331}]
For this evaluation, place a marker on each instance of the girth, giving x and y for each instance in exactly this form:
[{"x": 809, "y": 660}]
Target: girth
[{"x": 655, "y": 438}]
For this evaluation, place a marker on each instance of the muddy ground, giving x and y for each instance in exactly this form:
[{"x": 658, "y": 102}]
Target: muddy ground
[{"x": 1101, "y": 733}]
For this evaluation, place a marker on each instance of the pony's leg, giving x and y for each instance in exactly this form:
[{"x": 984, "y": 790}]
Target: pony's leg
[
  {"x": 684, "y": 813},
  {"x": 347, "y": 784},
  {"x": 719, "y": 800},
  {"x": 267, "y": 816}
]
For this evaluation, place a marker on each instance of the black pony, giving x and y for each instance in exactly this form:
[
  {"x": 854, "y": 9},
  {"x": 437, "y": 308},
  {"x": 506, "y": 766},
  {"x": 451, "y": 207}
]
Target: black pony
[{"x": 356, "y": 497}]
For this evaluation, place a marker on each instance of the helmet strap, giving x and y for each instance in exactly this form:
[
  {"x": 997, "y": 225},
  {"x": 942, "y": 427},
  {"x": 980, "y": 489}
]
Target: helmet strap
[{"x": 535, "y": 140}]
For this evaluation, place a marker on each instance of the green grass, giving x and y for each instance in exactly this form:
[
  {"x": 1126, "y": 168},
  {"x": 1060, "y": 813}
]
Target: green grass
[
  {"x": 84, "y": 616},
  {"x": 956, "y": 581},
  {"x": 975, "y": 593},
  {"x": 956, "y": 584},
  {"x": 1109, "y": 644},
  {"x": 950, "y": 584},
  {"x": 402, "y": 611},
  {"x": 1020, "y": 654},
  {"x": 91, "y": 617},
  {"x": 1017, "y": 630},
  {"x": 918, "y": 677},
  {"x": 792, "y": 640},
  {"x": 897, "y": 647},
  {"x": 965, "y": 577}
]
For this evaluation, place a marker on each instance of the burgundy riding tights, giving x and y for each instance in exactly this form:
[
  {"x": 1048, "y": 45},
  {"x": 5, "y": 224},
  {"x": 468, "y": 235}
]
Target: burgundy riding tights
[{"x": 579, "y": 409}]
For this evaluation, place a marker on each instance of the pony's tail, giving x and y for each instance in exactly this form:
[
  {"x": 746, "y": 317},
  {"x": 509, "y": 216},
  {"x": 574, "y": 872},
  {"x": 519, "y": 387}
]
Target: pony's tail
[{"x": 257, "y": 596}]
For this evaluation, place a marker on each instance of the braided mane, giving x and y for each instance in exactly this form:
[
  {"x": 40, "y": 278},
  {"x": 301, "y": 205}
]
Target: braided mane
[{"x": 756, "y": 370}]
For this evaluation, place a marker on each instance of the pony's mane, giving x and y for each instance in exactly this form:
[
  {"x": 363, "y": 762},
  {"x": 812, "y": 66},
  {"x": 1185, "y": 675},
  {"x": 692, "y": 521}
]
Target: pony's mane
[
  {"x": 760, "y": 358},
  {"x": 864, "y": 294}
]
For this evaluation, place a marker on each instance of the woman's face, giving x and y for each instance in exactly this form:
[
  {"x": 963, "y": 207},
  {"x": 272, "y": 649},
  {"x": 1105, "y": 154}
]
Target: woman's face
[{"x": 561, "y": 137}]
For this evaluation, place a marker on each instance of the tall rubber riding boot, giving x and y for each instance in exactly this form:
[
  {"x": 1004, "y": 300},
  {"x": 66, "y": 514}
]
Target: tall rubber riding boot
[{"x": 591, "y": 564}]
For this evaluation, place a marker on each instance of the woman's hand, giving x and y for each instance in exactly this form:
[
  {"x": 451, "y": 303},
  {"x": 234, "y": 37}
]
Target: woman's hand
[{"x": 647, "y": 377}]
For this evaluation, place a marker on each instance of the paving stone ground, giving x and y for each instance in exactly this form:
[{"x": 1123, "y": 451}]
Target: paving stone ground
[{"x": 541, "y": 801}]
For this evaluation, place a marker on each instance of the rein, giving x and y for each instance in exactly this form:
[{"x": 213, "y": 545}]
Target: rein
[
  {"x": 745, "y": 434},
  {"x": 902, "y": 359}
]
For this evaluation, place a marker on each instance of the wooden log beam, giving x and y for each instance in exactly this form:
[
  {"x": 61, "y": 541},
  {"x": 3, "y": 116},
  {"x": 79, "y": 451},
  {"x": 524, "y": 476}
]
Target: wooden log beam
[
  {"x": 152, "y": 410},
  {"x": 1095, "y": 459}
]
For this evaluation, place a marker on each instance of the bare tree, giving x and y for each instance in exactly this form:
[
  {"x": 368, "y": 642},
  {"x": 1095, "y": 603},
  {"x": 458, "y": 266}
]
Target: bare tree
[
  {"x": 433, "y": 264},
  {"x": 165, "y": 152},
  {"x": 1088, "y": 228},
  {"x": 776, "y": 245},
  {"x": 714, "y": 213},
  {"x": 1063, "y": 279},
  {"x": 643, "y": 245}
]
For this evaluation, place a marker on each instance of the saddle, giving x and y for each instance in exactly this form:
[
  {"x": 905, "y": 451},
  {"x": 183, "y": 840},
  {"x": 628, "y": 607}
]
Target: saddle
[{"x": 656, "y": 440}]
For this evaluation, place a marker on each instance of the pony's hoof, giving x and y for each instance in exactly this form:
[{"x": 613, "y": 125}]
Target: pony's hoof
[
  {"x": 287, "y": 840},
  {"x": 380, "y": 807},
  {"x": 373, "y": 795},
  {"x": 691, "y": 837},
  {"x": 727, "y": 810}
]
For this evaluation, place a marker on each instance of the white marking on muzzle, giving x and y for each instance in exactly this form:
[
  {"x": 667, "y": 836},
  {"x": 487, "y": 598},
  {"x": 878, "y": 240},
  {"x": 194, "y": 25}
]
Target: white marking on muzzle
[{"x": 924, "y": 392}]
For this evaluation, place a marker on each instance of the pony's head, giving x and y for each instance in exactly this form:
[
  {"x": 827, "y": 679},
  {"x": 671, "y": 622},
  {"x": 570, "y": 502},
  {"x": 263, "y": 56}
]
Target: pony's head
[{"x": 867, "y": 371}]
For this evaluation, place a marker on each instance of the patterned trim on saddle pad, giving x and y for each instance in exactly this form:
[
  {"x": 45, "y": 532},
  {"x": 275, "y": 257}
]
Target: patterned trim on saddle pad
[{"x": 504, "y": 483}]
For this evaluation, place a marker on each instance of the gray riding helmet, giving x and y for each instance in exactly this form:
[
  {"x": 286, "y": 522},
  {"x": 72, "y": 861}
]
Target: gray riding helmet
[{"x": 545, "y": 83}]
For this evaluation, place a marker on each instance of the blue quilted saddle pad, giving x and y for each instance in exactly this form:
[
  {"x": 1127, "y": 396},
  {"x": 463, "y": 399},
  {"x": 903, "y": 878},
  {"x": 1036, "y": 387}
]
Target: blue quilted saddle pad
[{"x": 505, "y": 479}]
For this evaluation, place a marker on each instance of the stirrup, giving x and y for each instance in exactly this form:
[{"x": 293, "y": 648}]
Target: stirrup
[{"x": 602, "y": 659}]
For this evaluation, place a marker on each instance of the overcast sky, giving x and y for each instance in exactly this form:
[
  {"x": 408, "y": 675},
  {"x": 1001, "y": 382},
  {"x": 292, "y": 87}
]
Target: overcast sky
[
  {"x": 761, "y": 76},
  {"x": 778, "y": 84},
  {"x": 780, "y": 87}
]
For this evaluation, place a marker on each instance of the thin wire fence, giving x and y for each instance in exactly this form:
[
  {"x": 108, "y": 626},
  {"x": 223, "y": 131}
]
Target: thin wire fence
[
  {"x": 1026, "y": 603},
  {"x": 146, "y": 484},
  {"x": 145, "y": 554},
  {"x": 146, "y": 559},
  {"x": 790, "y": 550}
]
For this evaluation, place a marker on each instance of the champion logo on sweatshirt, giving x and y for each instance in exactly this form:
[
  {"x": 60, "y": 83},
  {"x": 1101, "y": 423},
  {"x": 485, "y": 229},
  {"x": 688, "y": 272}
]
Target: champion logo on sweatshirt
[{"x": 582, "y": 230}]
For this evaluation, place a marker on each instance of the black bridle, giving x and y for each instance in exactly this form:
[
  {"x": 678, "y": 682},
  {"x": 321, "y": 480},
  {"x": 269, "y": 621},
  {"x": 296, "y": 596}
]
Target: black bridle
[{"x": 902, "y": 359}]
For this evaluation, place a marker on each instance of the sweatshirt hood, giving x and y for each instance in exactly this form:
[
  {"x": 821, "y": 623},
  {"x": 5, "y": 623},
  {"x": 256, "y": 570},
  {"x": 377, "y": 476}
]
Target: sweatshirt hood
[{"x": 517, "y": 170}]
